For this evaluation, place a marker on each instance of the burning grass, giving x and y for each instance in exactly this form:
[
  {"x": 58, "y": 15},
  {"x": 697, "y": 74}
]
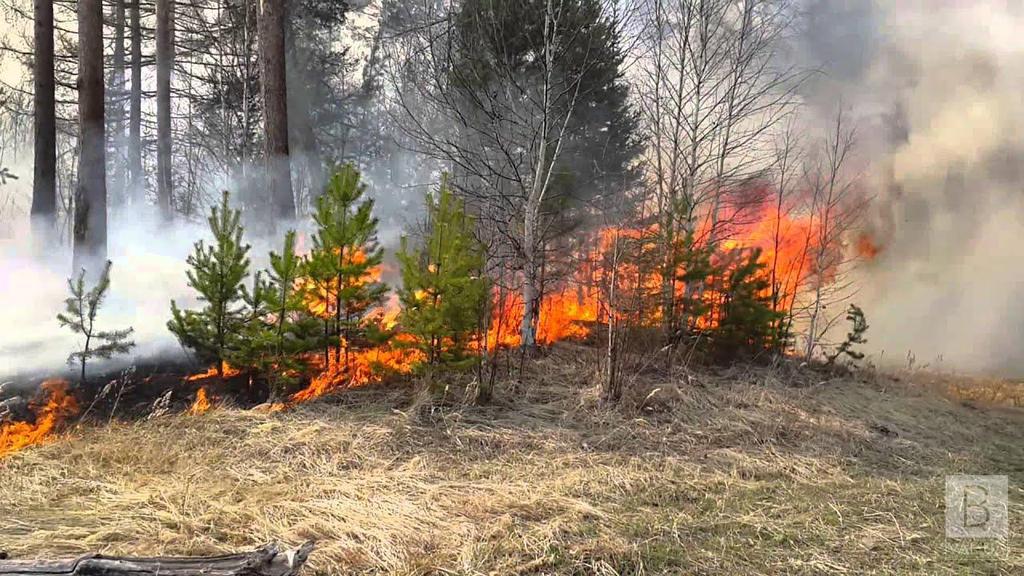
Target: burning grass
[
  {"x": 51, "y": 409},
  {"x": 731, "y": 473}
]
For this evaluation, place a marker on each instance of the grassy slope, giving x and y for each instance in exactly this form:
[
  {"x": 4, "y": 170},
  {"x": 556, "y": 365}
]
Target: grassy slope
[{"x": 727, "y": 474}]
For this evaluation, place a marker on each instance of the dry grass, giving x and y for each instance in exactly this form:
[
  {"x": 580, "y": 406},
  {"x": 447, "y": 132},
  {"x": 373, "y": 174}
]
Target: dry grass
[{"x": 729, "y": 473}]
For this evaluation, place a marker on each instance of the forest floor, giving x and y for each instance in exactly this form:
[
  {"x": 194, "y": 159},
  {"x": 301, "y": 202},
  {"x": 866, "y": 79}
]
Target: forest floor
[{"x": 740, "y": 471}]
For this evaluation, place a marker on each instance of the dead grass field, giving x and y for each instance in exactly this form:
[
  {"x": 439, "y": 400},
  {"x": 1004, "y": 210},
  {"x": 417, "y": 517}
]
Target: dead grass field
[{"x": 737, "y": 472}]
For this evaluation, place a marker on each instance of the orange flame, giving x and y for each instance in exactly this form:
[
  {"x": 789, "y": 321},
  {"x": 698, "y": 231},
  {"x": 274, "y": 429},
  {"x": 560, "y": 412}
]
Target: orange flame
[
  {"x": 59, "y": 406},
  {"x": 201, "y": 405},
  {"x": 319, "y": 296},
  {"x": 569, "y": 311},
  {"x": 866, "y": 247},
  {"x": 362, "y": 367},
  {"x": 785, "y": 241},
  {"x": 229, "y": 372}
]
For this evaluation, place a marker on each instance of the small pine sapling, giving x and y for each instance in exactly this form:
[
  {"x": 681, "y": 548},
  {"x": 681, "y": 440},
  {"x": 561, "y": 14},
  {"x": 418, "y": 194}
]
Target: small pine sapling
[
  {"x": 79, "y": 315},
  {"x": 343, "y": 263},
  {"x": 217, "y": 274},
  {"x": 281, "y": 329},
  {"x": 443, "y": 290},
  {"x": 745, "y": 321},
  {"x": 251, "y": 347},
  {"x": 858, "y": 327}
]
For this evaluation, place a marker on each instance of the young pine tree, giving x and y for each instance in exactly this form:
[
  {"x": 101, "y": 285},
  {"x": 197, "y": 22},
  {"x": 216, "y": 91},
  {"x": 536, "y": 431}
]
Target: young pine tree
[
  {"x": 443, "y": 291},
  {"x": 292, "y": 325},
  {"x": 80, "y": 316},
  {"x": 858, "y": 327},
  {"x": 341, "y": 266},
  {"x": 281, "y": 328},
  {"x": 217, "y": 274},
  {"x": 745, "y": 319}
]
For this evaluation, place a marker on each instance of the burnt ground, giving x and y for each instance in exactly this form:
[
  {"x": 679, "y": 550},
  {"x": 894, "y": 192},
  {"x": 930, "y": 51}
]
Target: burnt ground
[{"x": 134, "y": 389}]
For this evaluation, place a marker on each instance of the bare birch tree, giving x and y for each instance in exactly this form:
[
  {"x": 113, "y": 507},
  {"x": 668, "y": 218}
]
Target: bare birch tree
[
  {"x": 710, "y": 92},
  {"x": 836, "y": 207},
  {"x": 499, "y": 93}
]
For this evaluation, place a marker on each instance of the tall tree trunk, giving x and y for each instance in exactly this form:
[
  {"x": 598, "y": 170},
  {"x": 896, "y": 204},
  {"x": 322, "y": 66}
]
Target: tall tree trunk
[
  {"x": 44, "y": 185},
  {"x": 90, "y": 235},
  {"x": 164, "y": 64},
  {"x": 275, "y": 111},
  {"x": 531, "y": 280},
  {"x": 116, "y": 95},
  {"x": 302, "y": 143},
  {"x": 137, "y": 186}
]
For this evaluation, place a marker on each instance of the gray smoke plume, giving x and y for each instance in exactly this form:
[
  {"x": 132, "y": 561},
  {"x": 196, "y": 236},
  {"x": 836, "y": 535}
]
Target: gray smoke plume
[{"x": 937, "y": 87}]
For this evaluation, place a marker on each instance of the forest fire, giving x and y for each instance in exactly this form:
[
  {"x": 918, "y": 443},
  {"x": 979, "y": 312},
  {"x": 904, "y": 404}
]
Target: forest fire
[
  {"x": 202, "y": 404},
  {"x": 229, "y": 371},
  {"x": 50, "y": 412},
  {"x": 785, "y": 244},
  {"x": 867, "y": 248},
  {"x": 571, "y": 307},
  {"x": 362, "y": 367}
]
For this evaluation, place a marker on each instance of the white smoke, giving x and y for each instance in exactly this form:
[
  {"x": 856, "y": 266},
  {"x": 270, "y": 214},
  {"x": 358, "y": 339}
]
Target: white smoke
[{"x": 148, "y": 271}]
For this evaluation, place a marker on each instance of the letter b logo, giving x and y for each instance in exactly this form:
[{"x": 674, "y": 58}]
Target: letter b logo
[{"x": 976, "y": 507}]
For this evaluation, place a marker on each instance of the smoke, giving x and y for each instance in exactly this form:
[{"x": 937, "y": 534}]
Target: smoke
[
  {"x": 937, "y": 87},
  {"x": 148, "y": 271},
  {"x": 149, "y": 267}
]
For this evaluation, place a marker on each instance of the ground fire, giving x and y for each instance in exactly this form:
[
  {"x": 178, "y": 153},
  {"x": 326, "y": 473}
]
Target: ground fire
[
  {"x": 570, "y": 309},
  {"x": 52, "y": 407},
  {"x": 568, "y": 312},
  {"x": 201, "y": 405}
]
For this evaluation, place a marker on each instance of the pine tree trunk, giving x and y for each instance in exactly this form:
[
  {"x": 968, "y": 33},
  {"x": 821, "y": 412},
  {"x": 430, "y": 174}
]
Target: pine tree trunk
[
  {"x": 44, "y": 185},
  {"x": 137, "y": 187},
  {"x": 275, "y": 111},
  {"x": 116, "y": 106},
  {"x": 90, "y": 226},
  {"x": 302, "y": 144},
  {"x": 164, "y": 64}
]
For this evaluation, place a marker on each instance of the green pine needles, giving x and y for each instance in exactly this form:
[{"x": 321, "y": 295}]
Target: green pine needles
[
  {"x": 342, "y": 263},
  {"x": 443, "y": 290},
  {"x": 218, "y": 272},
  {"x": 858, "y": 328},
  {"x": 80, "y": 311}
]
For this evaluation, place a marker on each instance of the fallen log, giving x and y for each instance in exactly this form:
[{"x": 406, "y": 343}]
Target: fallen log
[
  {"x": 264, "y": 561},
  {"x": 15, "y": 409}
]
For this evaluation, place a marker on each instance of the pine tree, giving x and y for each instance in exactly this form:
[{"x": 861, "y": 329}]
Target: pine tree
[
  {"x": 251, "y": 348},
  {"x": 280, "y": 328},
  {"x": 286, "y": 301},
  {"x": 80, "y": 316},
  {"x": 342, "y": 264},
  {"x": 858, "y": 327},
  {"x": 745, "y": 320},
  {"x": 443, "y": 291},
  {"x": 217, "y": 274}
]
